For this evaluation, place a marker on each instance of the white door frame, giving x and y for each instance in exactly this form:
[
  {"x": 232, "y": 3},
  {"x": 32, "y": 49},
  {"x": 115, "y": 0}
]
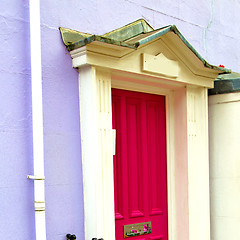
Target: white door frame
[{"x": 187, "y": 148}]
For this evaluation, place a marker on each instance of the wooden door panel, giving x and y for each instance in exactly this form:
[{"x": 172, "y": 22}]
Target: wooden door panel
[
  {"x": 118, "y": 168},
  {"x": 156, "y": 149},
  {"x": 140, "y": 162},
  {"x": 134, "y": 156}
]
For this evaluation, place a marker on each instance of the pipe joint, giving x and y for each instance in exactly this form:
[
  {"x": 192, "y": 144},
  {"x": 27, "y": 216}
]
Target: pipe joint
[{"x": 39, "y": 206}]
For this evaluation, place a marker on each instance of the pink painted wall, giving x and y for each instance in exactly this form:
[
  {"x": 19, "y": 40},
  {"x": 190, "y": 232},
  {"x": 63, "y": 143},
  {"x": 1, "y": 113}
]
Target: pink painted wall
[{"x": 211, "y": 26}]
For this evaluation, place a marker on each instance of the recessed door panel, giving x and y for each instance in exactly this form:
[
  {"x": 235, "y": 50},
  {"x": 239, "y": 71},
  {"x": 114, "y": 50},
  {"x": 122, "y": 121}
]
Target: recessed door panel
[
  {"x": 135, "y": 164},
  {"x": 118, "y": 171},
  {"x": 140, "y": 180}
]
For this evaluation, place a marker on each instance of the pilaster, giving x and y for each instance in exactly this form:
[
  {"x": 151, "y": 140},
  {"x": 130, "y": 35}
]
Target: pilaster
[
  {"x": 97, "y": 151},
  {"x": 198, "y": 164}
]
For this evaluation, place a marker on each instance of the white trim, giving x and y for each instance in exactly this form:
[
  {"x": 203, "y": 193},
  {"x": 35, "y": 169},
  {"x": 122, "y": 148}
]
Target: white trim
[
  {"x": 109, "y": 57},
  {"x": 170, "y": 126},
  {"x": 97, "y": 151},
  {"x": 181, "y": 150},
  {"x": 170, "y": 166},
  {"x": 185, "y": 152},
  {"x": 89, "y": 144},
  {"x": 99, "y": 220},
  {"x": 198, "y": 164},
  {"x": 79, "y": 57}
]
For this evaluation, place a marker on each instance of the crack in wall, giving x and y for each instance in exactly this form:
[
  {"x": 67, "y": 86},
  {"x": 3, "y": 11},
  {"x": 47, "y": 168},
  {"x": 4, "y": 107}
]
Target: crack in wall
[
  {"x": 163, "y": 13},
  {"x": 207, "y": 28},
  {"x": 13, "y": 18}
]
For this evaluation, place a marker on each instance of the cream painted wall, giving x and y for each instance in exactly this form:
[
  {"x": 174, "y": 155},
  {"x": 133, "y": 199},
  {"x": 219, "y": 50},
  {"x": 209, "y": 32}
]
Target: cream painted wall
[{"x": 224, "y": 125}]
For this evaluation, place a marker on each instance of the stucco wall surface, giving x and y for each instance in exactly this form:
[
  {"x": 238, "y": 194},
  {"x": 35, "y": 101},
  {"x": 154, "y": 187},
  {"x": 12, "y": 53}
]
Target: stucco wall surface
[
  {"x": 64, "y": 200},
  {"x": 16, "y": 192},
  {"x": 224, "y": 118},
  {"x": 211, "y": 26}
]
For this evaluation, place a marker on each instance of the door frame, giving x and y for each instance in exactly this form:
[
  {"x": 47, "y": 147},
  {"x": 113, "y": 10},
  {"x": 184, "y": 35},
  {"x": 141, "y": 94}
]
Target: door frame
[
  {"x": 122, "y": 81},
  {"x": 96, "y": 133},
  {"x": 187, "y": 130}
]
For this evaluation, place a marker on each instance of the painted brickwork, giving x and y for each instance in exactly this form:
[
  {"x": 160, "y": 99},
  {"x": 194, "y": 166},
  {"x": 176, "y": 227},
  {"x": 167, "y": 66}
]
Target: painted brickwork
[{"x": 211, "y": 26}]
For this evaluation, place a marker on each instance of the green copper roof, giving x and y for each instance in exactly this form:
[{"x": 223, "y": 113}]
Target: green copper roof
[{"x": 131, "y": 36}]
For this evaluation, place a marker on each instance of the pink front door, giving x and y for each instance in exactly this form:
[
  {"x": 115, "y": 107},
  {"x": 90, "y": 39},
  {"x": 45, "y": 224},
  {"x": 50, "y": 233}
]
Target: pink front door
[{"x": 140, "y": 174}]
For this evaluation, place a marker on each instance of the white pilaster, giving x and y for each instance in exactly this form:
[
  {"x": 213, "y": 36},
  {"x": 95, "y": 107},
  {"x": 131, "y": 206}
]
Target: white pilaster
[
  {"x": 97, "y": 161},
  {"x": 198, "y": 164}
]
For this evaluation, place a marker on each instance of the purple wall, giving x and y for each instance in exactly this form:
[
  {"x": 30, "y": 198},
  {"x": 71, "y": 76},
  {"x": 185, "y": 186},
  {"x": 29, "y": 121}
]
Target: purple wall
[
  {"x": 64, "y": 200},
  {"x": 213, "y": 33},
  {"x": 16, "y": 192}
]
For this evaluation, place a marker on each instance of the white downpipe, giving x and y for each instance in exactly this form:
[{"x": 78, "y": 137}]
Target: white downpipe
[{"x": 37, "y": 120}]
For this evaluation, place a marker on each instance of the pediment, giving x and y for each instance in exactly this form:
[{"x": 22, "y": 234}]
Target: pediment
[{"x": 138, "y": 48}]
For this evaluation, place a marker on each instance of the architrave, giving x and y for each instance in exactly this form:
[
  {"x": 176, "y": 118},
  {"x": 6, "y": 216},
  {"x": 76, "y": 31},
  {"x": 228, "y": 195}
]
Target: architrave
[{"x": 187, "y": 140}]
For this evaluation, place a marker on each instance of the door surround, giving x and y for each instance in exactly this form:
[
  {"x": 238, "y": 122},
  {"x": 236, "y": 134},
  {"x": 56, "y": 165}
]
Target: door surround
[
  {"x": 100, "y": 121},
  {"x": 185, "y": 90}
]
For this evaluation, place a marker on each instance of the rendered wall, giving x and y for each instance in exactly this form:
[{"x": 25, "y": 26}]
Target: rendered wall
[
  {"x": 224, "y": 118},
  {"x": 205, "y": 24},
  {"x": 16, "y": 192},
  {"x": 64, "y": 200}
]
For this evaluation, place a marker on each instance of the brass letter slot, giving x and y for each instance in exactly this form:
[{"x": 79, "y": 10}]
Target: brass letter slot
[{"x": 137, "y": 229}]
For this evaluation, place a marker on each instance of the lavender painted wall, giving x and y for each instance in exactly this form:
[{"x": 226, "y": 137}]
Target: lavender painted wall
[
  {"x": 64, "y": 200},
  {"x": 16, "y": 192},
  {"x": 211, "y": 26}
]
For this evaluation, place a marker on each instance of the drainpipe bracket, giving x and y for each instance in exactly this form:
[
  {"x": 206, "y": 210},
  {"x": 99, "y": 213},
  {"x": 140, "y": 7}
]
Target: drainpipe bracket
[{"x": 36, "y": 177}]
